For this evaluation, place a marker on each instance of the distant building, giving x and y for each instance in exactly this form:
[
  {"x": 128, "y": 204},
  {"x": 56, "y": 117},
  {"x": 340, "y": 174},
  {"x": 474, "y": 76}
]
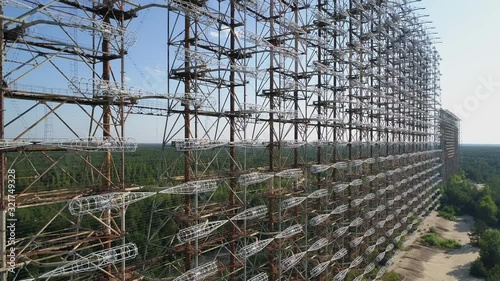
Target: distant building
[{"x": 450, "y": 141}]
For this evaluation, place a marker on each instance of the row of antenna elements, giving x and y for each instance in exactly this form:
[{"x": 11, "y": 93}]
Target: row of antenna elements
[
  {"x": 117, "y": 200},
  {"x": 129, "y": 251},
  {"x": 204, "y": 229},
  {"x": 208, "y": 269},
  {"x": 118, "y": 144},
  {"x": 205, "y": 144},
  {"x": 90, "y": 144}
]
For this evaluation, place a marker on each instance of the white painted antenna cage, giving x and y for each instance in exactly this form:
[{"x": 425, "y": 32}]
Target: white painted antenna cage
[
  {"x": 197, "y": 144},
  {"x": 341, "y": 275},
  {"x": 193, "y": 10},
  {"x": 389, "y": 217},
  {"x": 369, "y": 232},
  {"x": 199, "y": 273},
  {"x": 199, "y": 231},
  {"x": 396, "y": 239},
  {"x": 192, "y": 187},
  {"x": 291, "y": 26},
  {"x": 381, "y": 272},
  {"x": 370, "y": 214},
  {"x": 340, "y": 187},
  {"x": 356, "y": 163},
  {"x": 320, "y": 193},
  {"x": 254, "y": 248},
  {"x": 320, "y": 243},
  {"x": 292, "y": 202},
  {"x": 359, "y": 277},
  {"x": 95, "y": 260},
  {"x": 369, "y": 268},
  {"x": 356, "y": 222},
  {"x": 195, "y": 57},
  {"x": 90, "y": 87},
  {"x": 370, "y": 178},
  {"x": 316, "y": 169},
  {"x": 380, "y": 240},
  {"x": 380, "y": 256},
  {"x": 341, "y": 231},
  {"x": 369, "y": 196},
  {"x": 389, "y": 247},
  {"x": 319, "y": 219},
  {"x": 370, "y": 249},
  {"x": 260, "y": 277},
  {"x": 108, "y": 31},
  {"x": 251, "y": 108},
  {"x": 320, "y": 268},
  {"x": 340, "y": 209},
  {"x": 103, "y": 202},
  {"x": 290, "y": 231},
  {"x": 357, "y": 261},
  {"x": 356, "y": 241},
  {"x": 251, "y": 213},
  {"x": 251, "y": 37},
  {"x": 290, "y": 173},
  {"x": 291, "y": 261},
  {"x": 380, "y": 224},
  {"x": 356, "y": 202},
  {"x": 292, "y": 143},
  {"x": 339, "y": 254},
  {"x": 284, "y": 114},
  {"x": 7, "y": 144},
  {"x": 94, "y": 144},
  {"x": 253, "y": 178},
  {"x": 249, "y": 71},
  {"x": 256, "y": 5},
  {"x": 320, "y": 143},
  {"x": 340, "y": 165}
]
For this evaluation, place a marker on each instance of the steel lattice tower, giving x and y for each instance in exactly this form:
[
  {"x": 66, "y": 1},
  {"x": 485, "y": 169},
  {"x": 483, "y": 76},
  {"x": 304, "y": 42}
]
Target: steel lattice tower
[
  {"x": 450, "y": 142},
  {"x": 68, "y": 58},
  {"x": 301, "y": 138}
]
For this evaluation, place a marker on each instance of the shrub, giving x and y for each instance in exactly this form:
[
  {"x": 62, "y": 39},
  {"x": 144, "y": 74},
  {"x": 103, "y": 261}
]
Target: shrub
[
  {"x": 434, "y": 240},
  {"x": 489, "y": 248},
  {"x": 353, "y": 274},
  {"x": 449, "y": 209},
  {"x": 477, "y": 269},
  {"x": 447, "y": 216},
  {"x": 494, "y": 274},
  {"x": 392, "y": 276}
]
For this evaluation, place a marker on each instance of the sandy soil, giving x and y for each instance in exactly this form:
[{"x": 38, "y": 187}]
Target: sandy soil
[{"x": 421, "y": 263}]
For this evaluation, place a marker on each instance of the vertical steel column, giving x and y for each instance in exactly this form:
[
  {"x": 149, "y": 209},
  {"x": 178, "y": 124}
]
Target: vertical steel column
[
  {"x": 187, "y": 129},
  {"x": 272, "y": 275},
  {"x": 296, "y": 78},
  {"x": 106, "y": 119},
  {"x": 232, "y": 153},
  {"x": 3, "y": 204}
]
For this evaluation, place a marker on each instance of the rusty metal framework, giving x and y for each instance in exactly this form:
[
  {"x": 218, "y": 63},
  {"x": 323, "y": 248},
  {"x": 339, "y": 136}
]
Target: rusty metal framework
[
  {"x": 326, "y": 113},
  {"x": 450, "y": 142},
  {"x": 66, "y": 58},
  {"x": 301, "y": 140}
]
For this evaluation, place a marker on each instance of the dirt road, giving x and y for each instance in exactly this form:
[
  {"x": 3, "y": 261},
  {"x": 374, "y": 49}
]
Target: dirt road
[{"x": 421, "y": 263}]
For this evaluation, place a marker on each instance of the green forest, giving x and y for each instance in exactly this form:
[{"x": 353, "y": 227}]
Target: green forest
[{"x": 475, "y": 191}]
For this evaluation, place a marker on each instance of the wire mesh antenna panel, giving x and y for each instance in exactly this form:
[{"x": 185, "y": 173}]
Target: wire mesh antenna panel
[{"x": 300, "y": 138}]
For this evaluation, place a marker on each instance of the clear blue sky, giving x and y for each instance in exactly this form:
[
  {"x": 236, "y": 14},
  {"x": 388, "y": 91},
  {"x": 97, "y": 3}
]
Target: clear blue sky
[
  {"x": 470, "y": 32},
  {"x": 470, "y": 49}
]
